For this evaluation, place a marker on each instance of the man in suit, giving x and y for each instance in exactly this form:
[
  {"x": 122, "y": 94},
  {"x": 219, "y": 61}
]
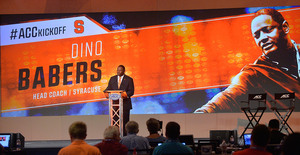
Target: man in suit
[{"x": 125, "y": 83}]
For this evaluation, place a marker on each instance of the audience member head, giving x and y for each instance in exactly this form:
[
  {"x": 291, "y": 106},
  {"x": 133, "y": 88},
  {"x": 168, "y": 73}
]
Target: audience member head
[
  {"x": 153, "y": 125},
  {"x": 172, "y": 130},
  {"x": 77, "y": 130},
  {"x": 112, "y": 132},
  {"x": 260, "y": 135},
  {"x": 273, "y": 124},
  {"x": 132, "y": 127},
  {"x": 291, "y": 144}
]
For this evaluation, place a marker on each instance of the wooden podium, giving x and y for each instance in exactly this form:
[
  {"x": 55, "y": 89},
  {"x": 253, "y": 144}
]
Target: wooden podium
[{"x": 116, "y": 109}]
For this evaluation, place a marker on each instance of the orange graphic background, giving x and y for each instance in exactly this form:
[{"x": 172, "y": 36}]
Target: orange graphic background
[{"x": 161, "y": 59}]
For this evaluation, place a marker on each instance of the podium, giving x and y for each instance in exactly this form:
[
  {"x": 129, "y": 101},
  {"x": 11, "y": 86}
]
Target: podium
[{"x": 116, "y": 109}]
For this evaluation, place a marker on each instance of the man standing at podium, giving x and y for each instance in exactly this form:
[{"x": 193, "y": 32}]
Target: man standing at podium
[{"x": 125, "y": 83}]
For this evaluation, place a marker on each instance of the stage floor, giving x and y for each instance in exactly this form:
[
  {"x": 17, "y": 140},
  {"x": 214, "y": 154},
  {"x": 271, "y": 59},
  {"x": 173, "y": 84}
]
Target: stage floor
[
  {"x": 63, "y": 143},
  {"x": 55, "y": 143}
]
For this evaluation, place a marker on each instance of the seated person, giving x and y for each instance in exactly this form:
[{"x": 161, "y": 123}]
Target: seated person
[
  {"x": 276, "y": 136},
  {"x": 110, "y": 144},
  {"x": 172, "y": 144},
  {"x": 291, "y": 144},
  {"x": 77, "y": 131},
  {"x": 1, "y": 149},
  {"x": 132, "y": 140},
  {"x": 259, "y": 139},
  {"x": 153, "y": 127}
]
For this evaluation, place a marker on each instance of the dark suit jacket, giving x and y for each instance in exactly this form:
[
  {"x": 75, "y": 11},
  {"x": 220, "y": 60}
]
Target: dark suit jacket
[{"x": 126, "y": 85}]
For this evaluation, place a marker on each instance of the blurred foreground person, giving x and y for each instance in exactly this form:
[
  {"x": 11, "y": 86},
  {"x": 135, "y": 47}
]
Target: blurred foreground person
[
  {"x": 153, "y": 127},
  {"x": 259, "y": 139},
  {"x": 132, "y": 140},
  {"x": 172, "y": 144},
  {"x": 291, "y": 146},
  {"x": 78, "y": 146},
  {"x": 110, "y": 144}
]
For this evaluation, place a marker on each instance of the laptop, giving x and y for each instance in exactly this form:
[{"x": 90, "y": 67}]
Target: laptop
[
  {"x": 5, "y": 140},
  {"x": 187, "y": 140},
  {"x": 247, "y": 139},
  {"x": 154, "y": 144}
]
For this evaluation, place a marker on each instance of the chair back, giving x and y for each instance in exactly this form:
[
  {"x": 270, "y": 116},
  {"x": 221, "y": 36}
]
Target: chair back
[
  {"x": 255, "y": 101},
  {"x": 140, "y": 151},
  {"x": 288, "y": 97},
  {"x": 284, "y": 96},
  {"x": 257, "y": 97}
]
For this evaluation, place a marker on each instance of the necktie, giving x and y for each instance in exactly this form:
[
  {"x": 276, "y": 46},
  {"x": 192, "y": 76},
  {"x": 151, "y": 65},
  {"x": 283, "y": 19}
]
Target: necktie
[{"x": 119, "y": 82}]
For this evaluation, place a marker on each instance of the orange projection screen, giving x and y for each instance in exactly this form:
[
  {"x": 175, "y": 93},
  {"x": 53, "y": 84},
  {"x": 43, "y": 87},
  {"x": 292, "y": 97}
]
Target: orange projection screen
[{"x": 59, "y": 64}]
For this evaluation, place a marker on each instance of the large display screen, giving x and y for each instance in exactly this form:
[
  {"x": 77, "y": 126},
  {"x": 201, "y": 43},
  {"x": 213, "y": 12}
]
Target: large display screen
[{"x": 180, "y": 61}]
